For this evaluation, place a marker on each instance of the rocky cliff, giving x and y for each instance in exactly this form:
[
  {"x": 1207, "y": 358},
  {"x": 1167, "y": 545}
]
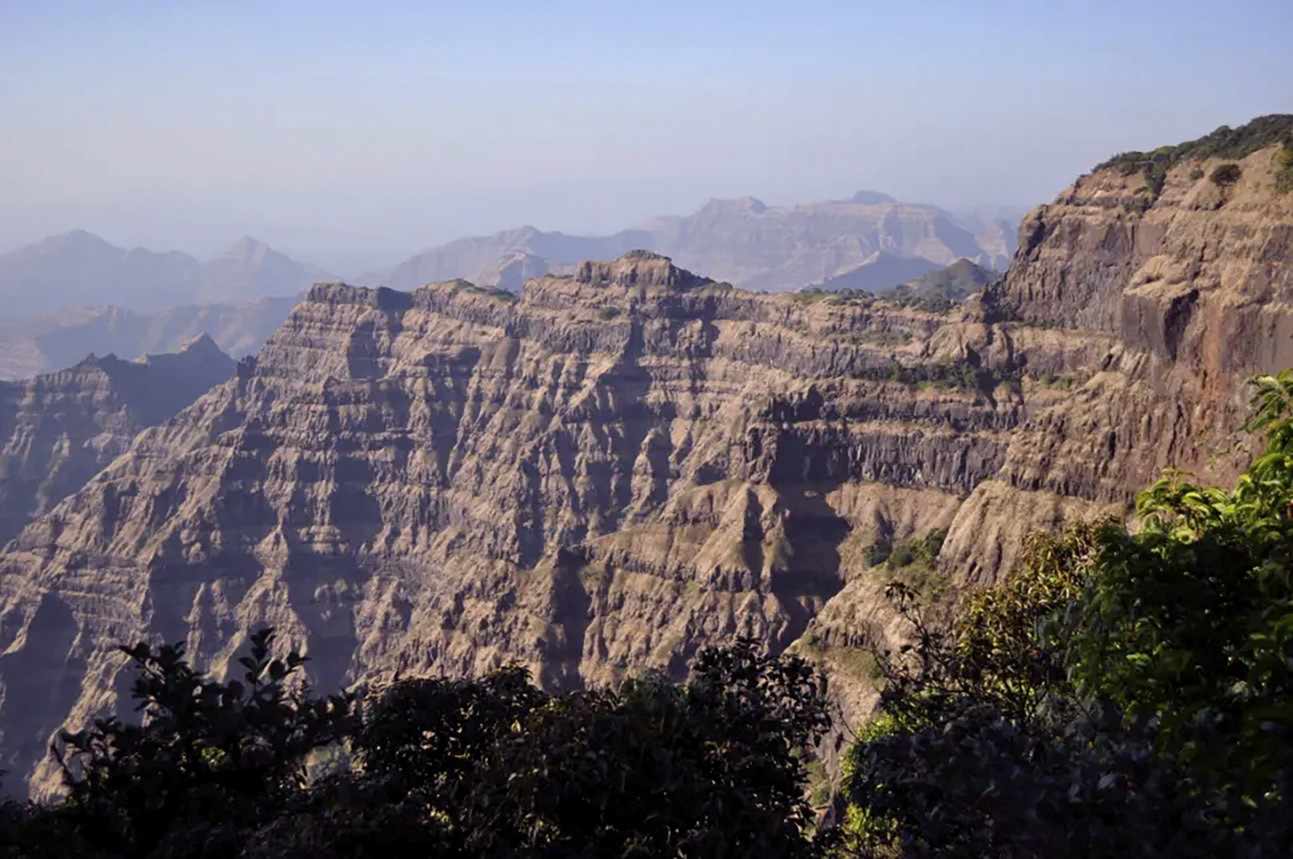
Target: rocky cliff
[
  {"x": 626, "y": 464},
  {"x": 57, "y": 430}
]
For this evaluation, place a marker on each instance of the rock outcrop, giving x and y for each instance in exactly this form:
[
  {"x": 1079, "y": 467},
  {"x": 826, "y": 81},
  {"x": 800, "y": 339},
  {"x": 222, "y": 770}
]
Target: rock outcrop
[
  {"x": 623, "y": 465},
  {"x": 59, "y": 429}
]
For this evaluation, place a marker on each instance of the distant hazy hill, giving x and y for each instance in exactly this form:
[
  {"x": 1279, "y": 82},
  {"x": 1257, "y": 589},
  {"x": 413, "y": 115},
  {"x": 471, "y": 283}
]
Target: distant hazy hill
[
  {"x": 251, "y": 269},
  {"x": 868, "y": 241},
  {"x": 79, "y": 268},
  {"x": 62, "y": 339},
  {"x": 879, "y": 273},
  {"x": 485, "y": 259},
  {"x": 947, "y": 285}
]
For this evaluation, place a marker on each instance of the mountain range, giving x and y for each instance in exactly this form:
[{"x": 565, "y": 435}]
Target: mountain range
[
  {"x": 869, "y": 241},
  {"x": 79, "y": 268},
  {"x": 58, "y": 340}
]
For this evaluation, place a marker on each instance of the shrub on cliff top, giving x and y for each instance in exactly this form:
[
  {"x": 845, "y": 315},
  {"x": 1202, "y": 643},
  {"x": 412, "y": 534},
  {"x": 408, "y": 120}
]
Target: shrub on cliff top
[
  {"x": 1226, "y": 174},
  {"x": 1225, "y": 142}
]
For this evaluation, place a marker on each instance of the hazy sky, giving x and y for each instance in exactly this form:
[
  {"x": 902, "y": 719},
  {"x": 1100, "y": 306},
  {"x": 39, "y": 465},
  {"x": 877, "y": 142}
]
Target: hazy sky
[{"x": 344, "y": 131}]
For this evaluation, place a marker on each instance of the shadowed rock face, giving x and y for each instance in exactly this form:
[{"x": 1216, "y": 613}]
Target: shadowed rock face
[
  {"x": 624, "y": 465},
  {"x": 59, "y": 429}
]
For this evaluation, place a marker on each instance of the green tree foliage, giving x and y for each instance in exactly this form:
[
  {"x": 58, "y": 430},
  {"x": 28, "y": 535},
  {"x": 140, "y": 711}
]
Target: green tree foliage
[
  {"x": 1119, "y": 693},
  {"x": 1226, "y": 174},
  {"x": 1284, "y": 169},
  {"x": 714, "y": 767},
  {"x": 139, "y": 789}
]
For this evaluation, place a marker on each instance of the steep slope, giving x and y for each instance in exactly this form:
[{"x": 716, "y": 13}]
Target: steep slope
[
  {"x": 79, "y": 268},
  {"x": 59, "y": 429},
  {"x": 59, "y": 340},
  {"x": 868, "y": 241},
  {"x": 621, "y": 466}
]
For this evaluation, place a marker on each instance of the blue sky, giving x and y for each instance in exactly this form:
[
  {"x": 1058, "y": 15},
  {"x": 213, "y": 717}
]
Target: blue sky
[{"x": 333, "y": 129}]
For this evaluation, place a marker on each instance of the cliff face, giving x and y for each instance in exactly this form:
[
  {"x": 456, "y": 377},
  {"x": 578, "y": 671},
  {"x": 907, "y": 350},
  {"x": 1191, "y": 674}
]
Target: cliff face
[
  {"x": 632, "y": 462},
  {"x": 57, "y": 430}
]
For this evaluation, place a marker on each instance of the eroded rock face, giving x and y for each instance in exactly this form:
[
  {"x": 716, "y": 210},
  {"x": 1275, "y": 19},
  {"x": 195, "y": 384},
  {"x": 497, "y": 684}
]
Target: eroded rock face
[
  {"x": 57, "y": 430},
  {"x": 630, "y": 463}
]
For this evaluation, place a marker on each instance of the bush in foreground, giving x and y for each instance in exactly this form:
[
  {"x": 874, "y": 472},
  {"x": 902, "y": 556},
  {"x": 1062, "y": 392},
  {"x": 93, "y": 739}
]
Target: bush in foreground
[{"x": 490, "y": 767}]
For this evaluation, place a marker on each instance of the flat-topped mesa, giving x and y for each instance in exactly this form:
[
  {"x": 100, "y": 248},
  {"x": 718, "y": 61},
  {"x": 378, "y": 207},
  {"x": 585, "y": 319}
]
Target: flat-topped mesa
[
  {"x": 639, "y": 268},
  {"x": 380, "y": 297}
]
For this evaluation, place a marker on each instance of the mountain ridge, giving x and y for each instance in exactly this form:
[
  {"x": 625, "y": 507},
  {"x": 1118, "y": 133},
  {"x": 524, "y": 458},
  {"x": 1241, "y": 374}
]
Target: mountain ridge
[
  {"x": 79, "y": 268},
  {"x": 43, "y": 344}
]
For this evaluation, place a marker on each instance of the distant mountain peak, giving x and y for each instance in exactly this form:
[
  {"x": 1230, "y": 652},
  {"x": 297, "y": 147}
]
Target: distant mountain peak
[
  {"x": 77, "y": 238},
  {"x": 871, "y": 198},
  {"x": 202, "y": 343},
  {"x": 247, "y": 247}
]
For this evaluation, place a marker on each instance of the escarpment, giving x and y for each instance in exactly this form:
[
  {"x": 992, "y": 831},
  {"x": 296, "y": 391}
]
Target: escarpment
[{"x": 621, "y": 466}]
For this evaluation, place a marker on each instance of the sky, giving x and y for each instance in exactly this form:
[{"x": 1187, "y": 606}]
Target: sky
[{"x": 355, "y": 134}]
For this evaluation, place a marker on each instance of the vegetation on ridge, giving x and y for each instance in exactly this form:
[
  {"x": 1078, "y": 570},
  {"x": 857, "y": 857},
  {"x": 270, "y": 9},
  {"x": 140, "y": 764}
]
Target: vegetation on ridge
[{"x": 1225, "y": 142}]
